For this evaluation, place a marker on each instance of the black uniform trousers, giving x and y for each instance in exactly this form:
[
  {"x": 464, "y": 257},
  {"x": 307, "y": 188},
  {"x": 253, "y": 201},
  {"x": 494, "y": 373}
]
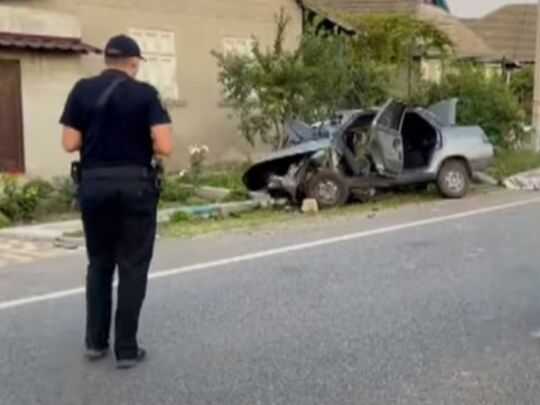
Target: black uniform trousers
[{"x": 119, "y": 210}]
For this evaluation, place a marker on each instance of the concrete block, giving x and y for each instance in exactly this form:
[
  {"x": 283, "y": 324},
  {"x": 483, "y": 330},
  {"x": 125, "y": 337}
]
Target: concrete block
[{"x": 310, "y": 206}]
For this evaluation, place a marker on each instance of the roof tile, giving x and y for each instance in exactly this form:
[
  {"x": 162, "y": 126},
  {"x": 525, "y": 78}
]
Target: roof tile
[
  {"x": 510, "y": 30},
  {"x": 45, "y": 43}
]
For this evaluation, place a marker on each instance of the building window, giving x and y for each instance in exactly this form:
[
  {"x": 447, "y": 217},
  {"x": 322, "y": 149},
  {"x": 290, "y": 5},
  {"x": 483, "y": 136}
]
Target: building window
[{"x": 160, "y": 69}]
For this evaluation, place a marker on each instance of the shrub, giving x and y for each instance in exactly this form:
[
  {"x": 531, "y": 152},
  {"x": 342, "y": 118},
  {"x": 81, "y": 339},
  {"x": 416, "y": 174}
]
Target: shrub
[
  {"x": 42, "y": 187},
  {"x": 59, "y": 199},
  {"x": 35, "y": 199},
  {"x": 485, "y": 100},
  {"x": 51, "y": 205},
  {"x": 174, "y": 190},
  {"x": 181, "y": 217},
  {"x": 18, "y": 201},
  {"x": 4, "y": 221},
  {"x": 522, "y": 85},
  {"x": 65, "y": 188}
]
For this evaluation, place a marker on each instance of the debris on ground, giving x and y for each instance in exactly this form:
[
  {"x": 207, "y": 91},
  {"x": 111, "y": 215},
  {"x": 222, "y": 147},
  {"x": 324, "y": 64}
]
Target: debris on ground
[
  {"x": 310, "y": 206},
  {"x": 529, "y": 181}
]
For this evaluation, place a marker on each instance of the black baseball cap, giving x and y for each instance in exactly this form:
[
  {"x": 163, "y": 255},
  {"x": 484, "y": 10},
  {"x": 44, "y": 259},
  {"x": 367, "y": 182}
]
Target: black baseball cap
[{"x": 122, "y": 46}]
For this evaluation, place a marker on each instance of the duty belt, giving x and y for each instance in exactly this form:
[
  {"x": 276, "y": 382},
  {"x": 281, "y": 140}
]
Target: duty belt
[{"x": 123, "y": 172}]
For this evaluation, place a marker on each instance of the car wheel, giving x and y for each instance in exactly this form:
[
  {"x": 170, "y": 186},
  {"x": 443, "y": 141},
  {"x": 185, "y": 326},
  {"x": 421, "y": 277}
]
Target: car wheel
[
  {"x": 329, "y": 189},
  {"x": 454, "y": 179}
]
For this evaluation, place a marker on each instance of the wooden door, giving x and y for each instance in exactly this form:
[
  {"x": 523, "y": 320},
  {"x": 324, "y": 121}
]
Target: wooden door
[{"x": 11, "y": 128}]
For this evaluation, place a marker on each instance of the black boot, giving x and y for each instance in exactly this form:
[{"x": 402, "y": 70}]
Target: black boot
[{"x": 125, "y": 363}]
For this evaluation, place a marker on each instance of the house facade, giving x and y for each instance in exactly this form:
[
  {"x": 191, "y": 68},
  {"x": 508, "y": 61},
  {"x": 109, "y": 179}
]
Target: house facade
[{"x": 47, "y": 45}]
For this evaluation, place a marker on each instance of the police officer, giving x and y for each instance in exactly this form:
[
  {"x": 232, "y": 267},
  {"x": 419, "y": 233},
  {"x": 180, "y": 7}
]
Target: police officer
[{"x": 119, "y": 126}]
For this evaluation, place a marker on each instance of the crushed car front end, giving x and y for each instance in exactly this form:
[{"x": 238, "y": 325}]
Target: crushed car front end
[{"x": 282, "y": 173}]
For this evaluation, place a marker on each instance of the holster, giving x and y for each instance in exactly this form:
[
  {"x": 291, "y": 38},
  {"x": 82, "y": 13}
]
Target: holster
[
  {"x": 76, "y": 178},
  {"x": 76, "y": 172},
  {"x": 159, "y": 174}
]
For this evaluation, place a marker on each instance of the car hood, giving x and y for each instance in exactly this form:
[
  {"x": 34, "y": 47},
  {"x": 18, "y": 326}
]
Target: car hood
[
  {"x": 302, "y": 149},
  {"x": 278, "y": 162}
]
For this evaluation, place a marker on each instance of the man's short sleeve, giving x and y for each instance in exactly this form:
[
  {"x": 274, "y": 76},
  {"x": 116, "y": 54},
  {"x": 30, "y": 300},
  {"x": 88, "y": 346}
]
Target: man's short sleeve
[
  {"x": 73, "y": 114},
  {"x": 157, "y": 113}
]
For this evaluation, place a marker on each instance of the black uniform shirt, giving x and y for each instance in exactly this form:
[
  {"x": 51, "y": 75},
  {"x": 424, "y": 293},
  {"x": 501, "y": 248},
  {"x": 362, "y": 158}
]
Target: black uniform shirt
[{"x": 120, "y": 133}]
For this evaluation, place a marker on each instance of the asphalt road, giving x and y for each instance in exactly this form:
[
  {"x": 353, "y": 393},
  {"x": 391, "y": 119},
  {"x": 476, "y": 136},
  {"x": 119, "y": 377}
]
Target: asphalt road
[{"x": 425, "y": 305}]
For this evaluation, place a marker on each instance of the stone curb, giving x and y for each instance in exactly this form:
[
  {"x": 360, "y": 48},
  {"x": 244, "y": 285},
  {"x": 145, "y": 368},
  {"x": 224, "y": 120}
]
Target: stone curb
[
  {"x": 528, "y": 181},
  {"x": 55, "y": 232}
]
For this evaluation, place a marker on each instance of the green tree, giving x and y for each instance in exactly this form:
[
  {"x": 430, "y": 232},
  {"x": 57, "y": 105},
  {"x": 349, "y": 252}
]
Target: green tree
[
  {"x": 371, "y": 84},
  {"x": 276, "y": 84},
  {"x": 392, "y": 46},
  {"x": 395, "y": 39}
]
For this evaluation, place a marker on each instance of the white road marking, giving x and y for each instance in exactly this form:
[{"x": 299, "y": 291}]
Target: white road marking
[{"x": 279, "y": 251}]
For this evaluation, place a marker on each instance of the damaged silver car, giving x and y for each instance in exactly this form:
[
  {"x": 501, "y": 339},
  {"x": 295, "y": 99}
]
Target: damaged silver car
[{"x": 362, "y": 151}]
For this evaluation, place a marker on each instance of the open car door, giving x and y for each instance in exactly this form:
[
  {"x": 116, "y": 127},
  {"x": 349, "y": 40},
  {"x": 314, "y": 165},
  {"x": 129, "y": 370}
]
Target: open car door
[
  {"x": 445, "y": 111},
  {"x": 386, "y": 146}
]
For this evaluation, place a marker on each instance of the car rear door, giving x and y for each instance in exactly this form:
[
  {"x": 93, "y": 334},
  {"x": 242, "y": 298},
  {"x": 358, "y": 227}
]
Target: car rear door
[{"x": 386, "y": 141}]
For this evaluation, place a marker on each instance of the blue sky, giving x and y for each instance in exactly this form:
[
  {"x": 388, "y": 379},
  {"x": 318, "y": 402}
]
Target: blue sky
[{"x": 477, "y": 8}]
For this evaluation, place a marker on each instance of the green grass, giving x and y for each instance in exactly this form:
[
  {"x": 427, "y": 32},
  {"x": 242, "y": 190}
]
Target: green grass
[
  {"x": 230, "y": 180},
  {"x": 224, "y": 176},
  {"x": 278, "y": 218},
  {"x": 185, "y": 226},
  {"x": 508, "y": 163}
]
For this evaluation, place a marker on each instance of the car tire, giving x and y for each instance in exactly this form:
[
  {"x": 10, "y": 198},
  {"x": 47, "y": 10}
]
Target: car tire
[
  {"x": 329, "y": 189},
  {"x": 454, "y": 179}
]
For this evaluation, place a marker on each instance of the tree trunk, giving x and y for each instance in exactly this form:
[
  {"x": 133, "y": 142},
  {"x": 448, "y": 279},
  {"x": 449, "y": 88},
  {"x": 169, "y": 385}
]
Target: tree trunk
[{"x": 280, "y": 136}]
